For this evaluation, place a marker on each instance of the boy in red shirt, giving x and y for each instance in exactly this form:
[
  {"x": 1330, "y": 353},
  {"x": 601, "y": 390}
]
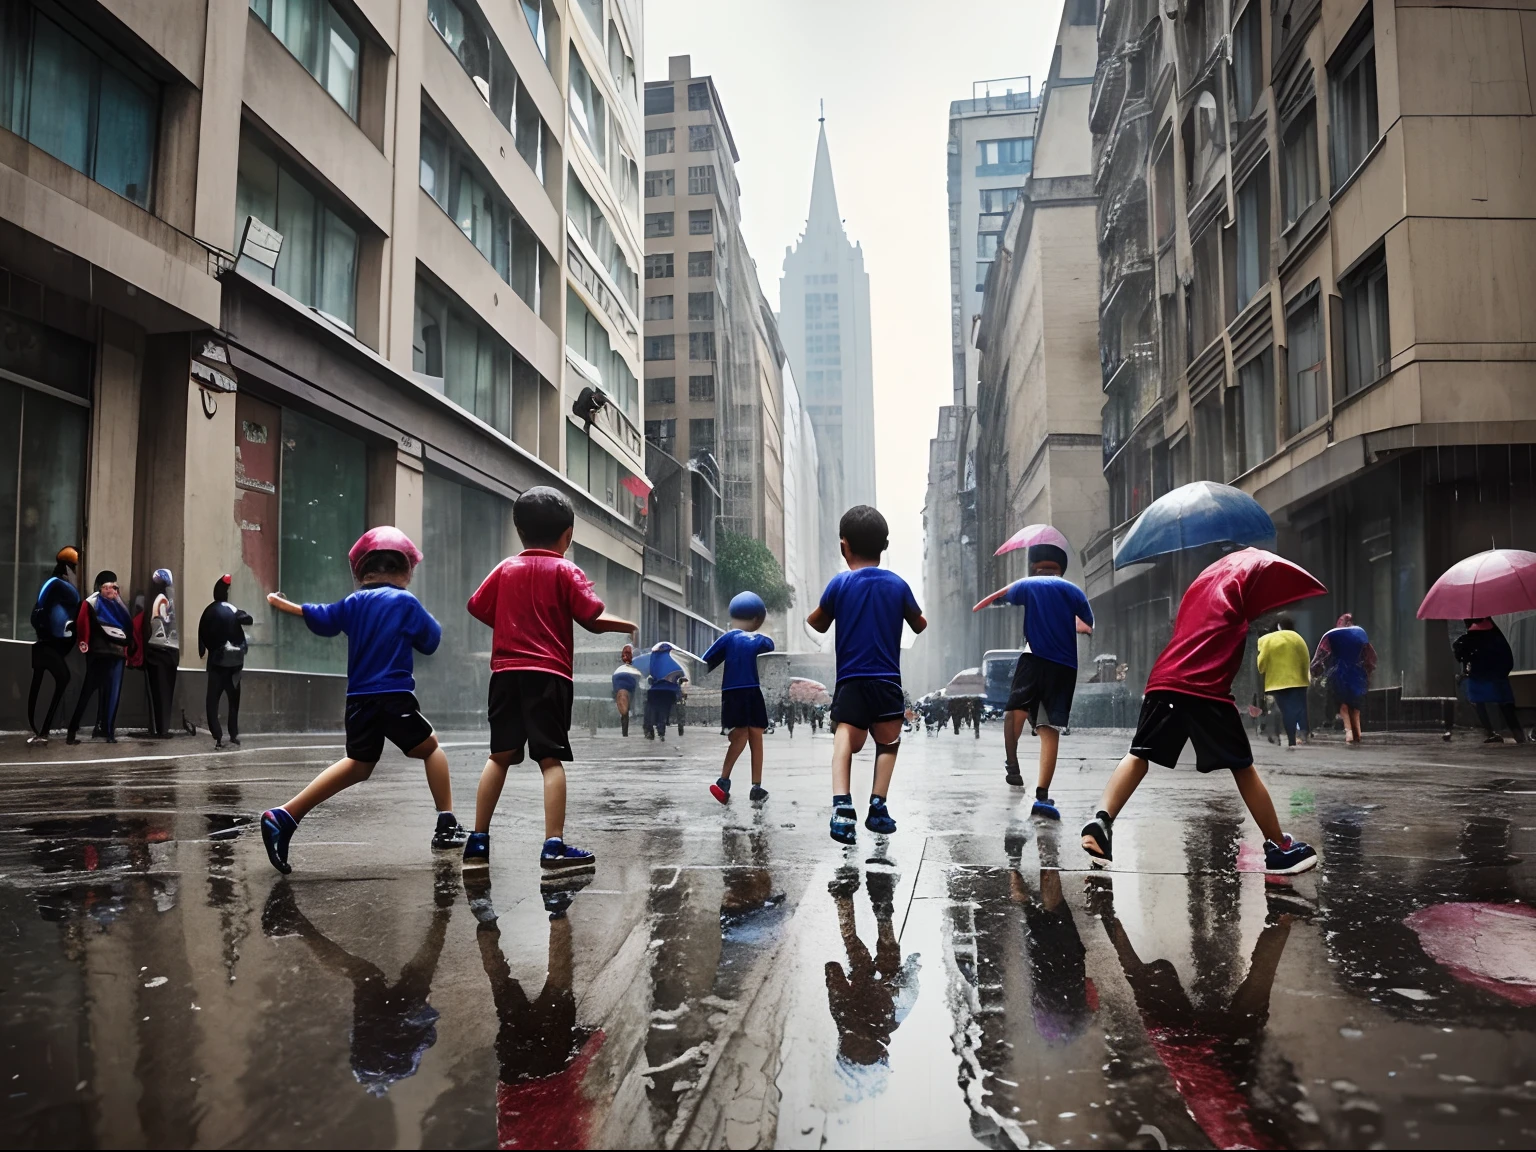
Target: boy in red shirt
[
  {"x": 1189, "y": 698},
  {"x": 530, "y": 601}
]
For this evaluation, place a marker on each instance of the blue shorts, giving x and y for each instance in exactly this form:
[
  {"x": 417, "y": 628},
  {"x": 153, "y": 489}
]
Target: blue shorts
[{"x": 743, "y": 708}]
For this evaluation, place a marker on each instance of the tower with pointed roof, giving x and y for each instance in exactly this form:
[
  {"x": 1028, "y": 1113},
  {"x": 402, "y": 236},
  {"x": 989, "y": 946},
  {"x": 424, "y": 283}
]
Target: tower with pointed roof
[{"x": 824, "y": 323}]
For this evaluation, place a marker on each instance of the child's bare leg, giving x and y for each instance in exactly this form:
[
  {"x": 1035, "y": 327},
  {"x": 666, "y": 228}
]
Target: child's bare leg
[
  {"x": 738, "y": 741},
  {"x": 1050, "y": 742},
  {"x": 1354, "y": 723},
  {"x": 1349, "y": 732},
  {"x": 1013, "y": 728},
  {"x": 436, "y": 764},
  {"x": 1130, "y": 772},
  {"x": 339, "y": 776},
  {"x": 492, "y": 779},
  {"x": 887, "y": 737},
  {"x": 755, "y": 741},
  {"x": 845, "y": 742},
  {"x": 1260, "y": 806},
  {"x": 554, "y": 797}
]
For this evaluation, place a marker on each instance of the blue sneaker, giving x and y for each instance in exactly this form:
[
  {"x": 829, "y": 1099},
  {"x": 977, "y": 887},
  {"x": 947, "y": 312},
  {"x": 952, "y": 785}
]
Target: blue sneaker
[
  {"x": 277, "y": 828},
  {"x": 1288, "y": 857},
  {"x": 560, "y": 856},
  {"x": 844, "y": 827},
  {"x": 477, "y": 852},
  {"x": 880, "y": 820},
  {"x": 1045, "y": 808},
  {"x": 758, "y": 794}
]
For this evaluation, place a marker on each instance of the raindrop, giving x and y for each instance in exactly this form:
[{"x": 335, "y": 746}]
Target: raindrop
[
  {"x": 1351, "y": 1033},
  {"x": 1065, "y": 1115},
  {"x": 156, "y": 982},
  {"x": 1345, "y": 1086},
  {"x": 1414, "y": 994},
  {"x": 80, "y": 1087}
]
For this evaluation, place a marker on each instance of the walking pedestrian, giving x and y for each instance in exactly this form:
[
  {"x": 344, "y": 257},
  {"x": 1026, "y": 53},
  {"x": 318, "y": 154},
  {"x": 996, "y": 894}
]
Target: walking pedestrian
[
  {"x": 1486, "y": 661},
  {"x": 626, "y": 682},
  {"x": 103, "y": 631},
  {"x": 162, "y": 652},
  {"x": 743, "y": 712},
  {"x": 663, "y": 690},
  {"x": 221, "y": 638},
  {"x": 53, "y": 620},
  {"x": 1283, "y": 664},
  {"x": 1345, "y": 656}
]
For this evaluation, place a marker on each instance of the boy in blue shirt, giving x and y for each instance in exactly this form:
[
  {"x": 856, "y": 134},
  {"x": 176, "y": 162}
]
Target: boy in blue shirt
[
  {"x": 869, "y": 603},
  {"x": 1045, "y": 678},
  {"x": 384, "y": 623},
  {"x": 742, "y": 710}
]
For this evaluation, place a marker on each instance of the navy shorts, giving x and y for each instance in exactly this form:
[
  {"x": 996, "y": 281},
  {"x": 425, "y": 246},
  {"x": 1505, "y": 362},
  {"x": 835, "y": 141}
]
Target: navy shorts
[
  {"x": 1042, "y": 686},
  {"x": 862, "y": 702},
  {"x": 381, "y": 716},
  {"x": 743, "y": 708},
  {"x": 533, "y": 709},
  {"x": 1169, "y": 720}
]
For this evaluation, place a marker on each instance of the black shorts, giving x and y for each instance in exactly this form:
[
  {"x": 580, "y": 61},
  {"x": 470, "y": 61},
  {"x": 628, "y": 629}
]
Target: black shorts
[
  {"x": 863, "y": 701},
  {"x": 1170, "y": 719},
  {"x": 381, "y": 716},
  {"x": 743, "y": 708},
  {"x": 533, "y": 709},
  {"x": 1041, "y": 685}
]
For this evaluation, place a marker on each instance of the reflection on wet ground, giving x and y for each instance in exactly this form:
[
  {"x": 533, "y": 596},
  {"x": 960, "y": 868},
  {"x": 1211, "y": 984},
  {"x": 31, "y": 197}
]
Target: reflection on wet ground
[{"x": 732, "y": 978}]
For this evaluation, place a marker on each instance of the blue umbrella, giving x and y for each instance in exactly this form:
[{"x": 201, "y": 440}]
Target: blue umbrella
[{"x": 1194, "y": 515}]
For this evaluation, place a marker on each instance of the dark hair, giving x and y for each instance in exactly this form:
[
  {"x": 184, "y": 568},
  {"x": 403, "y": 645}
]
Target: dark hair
[
  {"x": 107, "y": 576},
  {"x": 866, "y": 531},
  {"x": 383, "y": 563},
  {"x": 1287, "y": 623},
  {"x": 542, "y": 515}
]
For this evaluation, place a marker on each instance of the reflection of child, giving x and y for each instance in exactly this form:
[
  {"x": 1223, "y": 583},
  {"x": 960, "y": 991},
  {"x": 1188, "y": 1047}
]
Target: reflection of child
[
  {"x": 1061, "y": 994},
  {"x": 870, "y": 1000},
  {"x": 384, "y": 625},
  {"x": 742, "y": 710}
]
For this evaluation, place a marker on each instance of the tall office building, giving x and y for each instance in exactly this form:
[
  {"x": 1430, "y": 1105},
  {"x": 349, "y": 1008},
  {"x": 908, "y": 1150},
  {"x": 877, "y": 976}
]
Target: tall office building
[{"x": 824, "y": 322}]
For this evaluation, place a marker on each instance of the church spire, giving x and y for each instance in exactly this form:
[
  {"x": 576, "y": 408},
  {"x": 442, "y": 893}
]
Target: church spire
[{"x": 824, "y": 213}]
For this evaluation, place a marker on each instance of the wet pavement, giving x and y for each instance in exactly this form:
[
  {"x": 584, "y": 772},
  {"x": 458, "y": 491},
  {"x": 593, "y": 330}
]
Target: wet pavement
[{"x": 730, "y": 977}]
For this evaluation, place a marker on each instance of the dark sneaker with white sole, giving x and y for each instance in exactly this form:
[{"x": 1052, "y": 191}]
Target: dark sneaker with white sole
[
  {"x": 1098, "y": 839},
  {"x": 1288, "y": 857},
  {"x": 477, "y": 852},
  {"x": 558, "y": 856},
  {"x": 1045, "y": 808},
  {"x": 844, "y": 825},
  {"x": 277, "y": 828},
  {"x": 450, "y": 833}
]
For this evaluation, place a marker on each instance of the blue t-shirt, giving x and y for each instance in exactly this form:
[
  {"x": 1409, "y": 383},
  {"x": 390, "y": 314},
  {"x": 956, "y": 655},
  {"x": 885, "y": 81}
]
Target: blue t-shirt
[
  {"x": 383, "y": 624},
  {"x": 738, "y": 650},
  {"x": 869, "y": 606},
  {"x": 1052, "y": 606}
]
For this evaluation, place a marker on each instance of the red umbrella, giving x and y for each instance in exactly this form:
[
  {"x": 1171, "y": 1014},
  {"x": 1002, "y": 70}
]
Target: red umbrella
[
  {"x": 1255, "y": 582},
  {"x": 1034, "y": 534},
  {"x": 1489, "y": 584},
  {"x": 803, "y": 690}
]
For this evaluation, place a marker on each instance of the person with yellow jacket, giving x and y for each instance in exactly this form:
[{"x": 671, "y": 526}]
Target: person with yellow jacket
[{"x": 1283, "y": 662}]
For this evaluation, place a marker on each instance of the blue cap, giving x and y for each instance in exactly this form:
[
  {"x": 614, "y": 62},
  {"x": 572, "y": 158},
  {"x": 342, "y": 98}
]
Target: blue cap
[
  {"x": 162, "y": 576},
  {"x": 747, "y": 606}
]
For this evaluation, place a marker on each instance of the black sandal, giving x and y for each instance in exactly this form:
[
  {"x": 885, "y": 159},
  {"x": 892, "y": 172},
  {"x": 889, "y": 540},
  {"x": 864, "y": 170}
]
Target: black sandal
[{"x": 1098, "y": 830}]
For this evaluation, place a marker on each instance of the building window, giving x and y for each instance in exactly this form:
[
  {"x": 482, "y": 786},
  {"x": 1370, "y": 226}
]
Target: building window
[
  {"x": 1252, "y": 235},
  {"x": 701, "y": 263},
  {"x": 1006, "y": 157},
  {"x": 608, "y": 481},
  {"x": 698, "y": 97},
  {"x": 1367, "y": 345},
  {"x": 998, "y": 199},
  {"x": 621, "y": 65},
  {"x": 320, "y": 40},
  {"x": 658, "y": 307},
  {"x": 701, "y": 180},
  {"x": 593, "y": 11},
  {"x": 586, "y": 336},
  {"x": 475, "y": 365},
  {"x": 1254, "y": 436},
  {"x": 1306, "y": 390},
  {"x": 1205, "y": 290},
  {"x": 701, "y": 222},
  {"x": 595, "y": 229},
  {"x": 658, "y": 224},
  {"x": 701, "y": 305},
  {"x": 701, "y": 387},
  {"x": 658, "y": 102},
  {"x": 1247, "y": 62},
  {"x": 1352, "y": 107},
  {"x": 318, "y": 262},
  {"x": 659, "y": 183},
  {"x": 71, "y": 95},
  {"x": 1298, "y": 159},
  {"x": 662, "y": 433},
  {"x": 534, "y": 12},
  {"x": 701, "y": 436},
  {"x": 1162, "y": 193},
  {"x": 659, "y": 267},
  {"x": 661, "y": 390},
  {"x": 660, "y": 141},
  {"x": 701, "y": 137},
  {"x": 1210, "y": 459},
  {"x": 701, "y": 345},
  {"x": 662, "y": 347},
  {"x": 987, "y": 245},
  {"x": 587, "y": 110}
]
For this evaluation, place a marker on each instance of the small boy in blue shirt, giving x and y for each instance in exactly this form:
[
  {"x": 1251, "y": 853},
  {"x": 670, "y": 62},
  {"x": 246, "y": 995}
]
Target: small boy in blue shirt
[
  {"x": 742, "y": 710},
  {"x": 869, "y": 604},
  {"x": 384, "y": 624}
]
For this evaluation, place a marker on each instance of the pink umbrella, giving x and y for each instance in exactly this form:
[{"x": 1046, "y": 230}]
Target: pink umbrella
[
  {"x": 1034, "y": 534},
  {"x": 1488, "y": 584}
]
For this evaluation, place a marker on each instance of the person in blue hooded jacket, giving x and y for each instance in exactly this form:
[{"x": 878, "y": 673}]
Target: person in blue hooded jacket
[
  {"x": 666, "y": 684},
  {"x": 104, "y": 632},
  {"x": 53, "y": 619},
  {"x": 1346, "y": 657}
]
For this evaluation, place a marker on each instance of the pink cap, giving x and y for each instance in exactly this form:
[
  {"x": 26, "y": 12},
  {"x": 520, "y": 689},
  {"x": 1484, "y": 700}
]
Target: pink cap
[{"x": 385, "y": 538}]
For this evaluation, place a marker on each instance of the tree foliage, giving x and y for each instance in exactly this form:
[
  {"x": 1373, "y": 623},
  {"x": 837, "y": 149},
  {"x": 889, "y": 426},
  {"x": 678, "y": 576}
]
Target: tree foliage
[{"x": 743, "y": 564}]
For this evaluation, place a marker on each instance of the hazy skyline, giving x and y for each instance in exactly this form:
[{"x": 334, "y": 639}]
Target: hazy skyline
[{"x": 887, "y": 72}]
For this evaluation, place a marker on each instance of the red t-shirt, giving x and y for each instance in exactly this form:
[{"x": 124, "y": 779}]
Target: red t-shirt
[{"x": 530, "y": 601}]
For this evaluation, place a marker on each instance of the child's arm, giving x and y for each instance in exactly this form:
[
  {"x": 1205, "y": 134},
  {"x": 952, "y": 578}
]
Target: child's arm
[
  {"x": 605, "y": 622},
  {"x": 278, "y": 601},
  {"x": 988, "y": 601},
  {"x": 1083, "y": 627},
  {"x": 916, "y": 621},
  {"x": 819, "y": 619}
]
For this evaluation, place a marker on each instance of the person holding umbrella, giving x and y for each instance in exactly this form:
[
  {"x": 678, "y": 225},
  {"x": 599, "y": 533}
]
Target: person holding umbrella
[
  {"x": 666, "y": 686},
  {"x": 1486, "y": 660},
  {"x": 1346, "y": 657}
]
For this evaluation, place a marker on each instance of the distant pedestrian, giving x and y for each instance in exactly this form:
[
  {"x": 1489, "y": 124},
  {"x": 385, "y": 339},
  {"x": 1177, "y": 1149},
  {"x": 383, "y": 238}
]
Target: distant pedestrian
[
  {"x": 162, "y": 651},
  {"x": 743, "y": 712},
  {"x": 221, "y": 638},
  {"x": 1345, "y": 656},
  {"x": 663, "y": 690},
  {"x": 103, "y": 631},
  {"x": 53, "y": 620},
  {"x": 626, "y": 682},
  {"x": 1283, "y": 664},
  {"x": 1486, "y": 660},
  {"x": 384, "y": 625}
]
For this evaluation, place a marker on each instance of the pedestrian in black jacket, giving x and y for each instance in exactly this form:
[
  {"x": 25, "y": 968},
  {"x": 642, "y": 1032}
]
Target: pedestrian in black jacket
[
  {"x": 221, "y": 637},
  {"x": 1486, "y": 662}
]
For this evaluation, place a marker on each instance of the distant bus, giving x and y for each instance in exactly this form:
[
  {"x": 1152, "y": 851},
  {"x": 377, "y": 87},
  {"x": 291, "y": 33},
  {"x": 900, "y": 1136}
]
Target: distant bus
[{"x": 997, "y": 674}]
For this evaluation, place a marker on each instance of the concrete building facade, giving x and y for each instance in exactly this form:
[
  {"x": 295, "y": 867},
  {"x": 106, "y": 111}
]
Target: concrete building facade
[
  {"x": 1314, "y": 233},
  {"x": 276, "y": 272}
]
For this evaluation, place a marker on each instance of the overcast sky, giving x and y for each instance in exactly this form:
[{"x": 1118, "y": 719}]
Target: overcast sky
[{"x": 887, "y": 70}]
